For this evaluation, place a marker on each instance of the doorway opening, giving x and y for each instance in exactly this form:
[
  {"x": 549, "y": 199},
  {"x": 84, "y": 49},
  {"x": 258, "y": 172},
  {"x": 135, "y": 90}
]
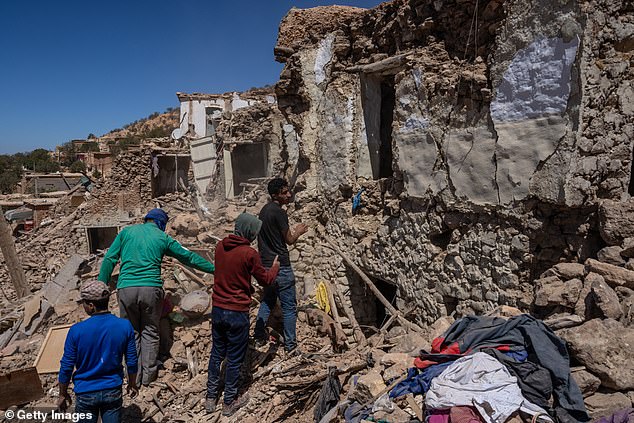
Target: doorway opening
[
  {"x": 378, "y": 97},
  {"x": 172, "y": 172},
  {"x": 100, "y": 237},
  {"x": 368, "y": 309},
  {"x": 248, "y": 161}
]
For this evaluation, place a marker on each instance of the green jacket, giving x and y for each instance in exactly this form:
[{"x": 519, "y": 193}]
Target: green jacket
[{"x": 141, "y": 249}]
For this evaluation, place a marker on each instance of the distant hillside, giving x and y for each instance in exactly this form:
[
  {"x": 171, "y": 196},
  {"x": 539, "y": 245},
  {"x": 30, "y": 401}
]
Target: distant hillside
[{"x": 154, "y": 126}]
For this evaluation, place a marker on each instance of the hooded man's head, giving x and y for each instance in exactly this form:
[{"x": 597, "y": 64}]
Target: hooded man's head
[{"x": 247, "y": 226}]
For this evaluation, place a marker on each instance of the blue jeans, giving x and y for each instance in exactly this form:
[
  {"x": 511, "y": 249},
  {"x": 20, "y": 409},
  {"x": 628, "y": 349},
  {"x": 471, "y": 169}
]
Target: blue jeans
[
  {"x": 230, "y": 338},
  {"x": 106, "y": 403},
  {"x": 284, "y": 289}
]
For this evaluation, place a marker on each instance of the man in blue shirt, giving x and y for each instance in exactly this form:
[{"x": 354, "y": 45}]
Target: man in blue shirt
[{"x": 94, "y": 348}]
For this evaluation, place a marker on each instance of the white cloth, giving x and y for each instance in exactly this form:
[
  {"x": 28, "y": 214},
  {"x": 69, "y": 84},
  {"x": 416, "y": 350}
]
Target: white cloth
[{"x": 481, "y": 381}]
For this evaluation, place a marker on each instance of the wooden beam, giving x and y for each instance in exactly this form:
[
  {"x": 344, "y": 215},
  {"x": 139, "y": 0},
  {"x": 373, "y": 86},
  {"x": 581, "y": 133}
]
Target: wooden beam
[
  {"x": 359, "y": 336},
  {"x": 406, "y": 323},
  {"x": 16, "y": 272}
]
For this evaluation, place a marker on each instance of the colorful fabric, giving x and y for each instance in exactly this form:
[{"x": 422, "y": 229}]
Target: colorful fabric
[
  {"x": 464, "y": 415},
  {"x": 474, "y": 333},
  {"x": 482, "y": 381},
  {"x": 321, "y": 296}
]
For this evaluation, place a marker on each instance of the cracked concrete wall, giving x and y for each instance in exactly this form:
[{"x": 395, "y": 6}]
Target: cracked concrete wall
[{"x": 505, "y": 136}]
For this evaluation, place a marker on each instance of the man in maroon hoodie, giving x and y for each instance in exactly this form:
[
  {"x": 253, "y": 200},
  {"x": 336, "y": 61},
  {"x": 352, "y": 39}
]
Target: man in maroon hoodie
[{"x": 235, "y": 263}]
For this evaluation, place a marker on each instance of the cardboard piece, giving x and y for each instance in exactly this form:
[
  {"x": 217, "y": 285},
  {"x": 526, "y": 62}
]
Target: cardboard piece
[
  {"x": 52, "y": 349},
  {"x": 20, "y": 387}
]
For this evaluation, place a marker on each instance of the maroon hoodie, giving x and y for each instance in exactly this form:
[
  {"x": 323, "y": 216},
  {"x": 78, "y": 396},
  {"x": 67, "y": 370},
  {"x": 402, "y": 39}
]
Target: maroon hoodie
[{"x": 235, "y": 263}]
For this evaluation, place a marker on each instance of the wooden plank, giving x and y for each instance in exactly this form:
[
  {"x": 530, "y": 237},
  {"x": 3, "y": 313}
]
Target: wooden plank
[
  {"x": 20, "y": 387},
  {"x": 358, "y": 333},
  {"x": 414, "y": 406},
  {"x": 406, "y": 323},
  {"x": 47, "y": 360}
]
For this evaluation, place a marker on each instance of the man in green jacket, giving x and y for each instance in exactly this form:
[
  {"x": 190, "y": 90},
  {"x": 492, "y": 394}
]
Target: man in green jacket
[{"x": 140, "y": 289}]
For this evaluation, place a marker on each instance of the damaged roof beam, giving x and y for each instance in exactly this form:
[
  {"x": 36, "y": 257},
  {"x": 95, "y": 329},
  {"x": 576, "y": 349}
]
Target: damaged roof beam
[{"x": 381, "y": 66}]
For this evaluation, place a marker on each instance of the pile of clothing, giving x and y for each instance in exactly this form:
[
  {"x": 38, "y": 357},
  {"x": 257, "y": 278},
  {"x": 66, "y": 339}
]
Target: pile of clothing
[{"x": 492, "y": 369}]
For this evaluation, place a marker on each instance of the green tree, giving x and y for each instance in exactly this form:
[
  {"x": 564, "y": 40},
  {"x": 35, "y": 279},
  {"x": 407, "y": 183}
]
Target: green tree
[
  {"x": 91, "y": 136},
  {"x": 77, "y": 166},
  {"x": 96, "y": 174},
  {"x": 38, "y": 160},
  {"x": 69, "y": 153}
]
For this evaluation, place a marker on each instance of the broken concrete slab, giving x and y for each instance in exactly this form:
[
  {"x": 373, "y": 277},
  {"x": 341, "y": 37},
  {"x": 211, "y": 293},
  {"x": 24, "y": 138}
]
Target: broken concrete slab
[{"x": 56, "y": 290}]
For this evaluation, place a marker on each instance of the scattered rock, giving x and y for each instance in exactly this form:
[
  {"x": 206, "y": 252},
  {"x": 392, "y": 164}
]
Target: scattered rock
[
  {"x": 552, "y": 291},
  {"x": 188, "y": 339},
  {"x": 195, "y": 303},
  {"x": 613, "y": 275},
  {"x": 615, "y": 220},
  {"x": 440, "y": 326},
  {"x": 588, "y": 383},
  {"x": 505, "y": 311},
  {"x": 611, "y": 255},
  {"x": 561, "y": 321},
  {"x": 604, "y": 405},
  {"x": 368, "y": 386},
  {"x": 187, "y": 225},
  {"x": 412, "y": 342},
  {"x": 391, "y": 359},
  {"x": 627, "y": 248},
  {"x": 605, "y": 348},
  {"x": 394, "y": 372},
  {"x": 566, "y": 271},
  {"x": 584, "y": 305},
  {"x": 605, "y": 299},
  {"x": 626, "y": 297}
]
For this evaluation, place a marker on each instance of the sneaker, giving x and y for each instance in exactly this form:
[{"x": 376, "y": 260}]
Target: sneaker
[
  {"x": 210, "y": 405},
  {"x": 294, "y": 352},
  {"x": 229, "y": 410}
]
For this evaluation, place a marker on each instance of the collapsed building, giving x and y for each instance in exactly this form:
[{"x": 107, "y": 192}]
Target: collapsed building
[{"x": 464, "y": 155}]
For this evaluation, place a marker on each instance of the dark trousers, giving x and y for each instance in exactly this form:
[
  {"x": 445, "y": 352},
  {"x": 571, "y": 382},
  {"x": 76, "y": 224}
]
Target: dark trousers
[
  {"x": 142, "y": 306},
  {"x": 284, "y": 289},
  {"x": 106, "y": 403},
  {"x": 230, "y": 338}
]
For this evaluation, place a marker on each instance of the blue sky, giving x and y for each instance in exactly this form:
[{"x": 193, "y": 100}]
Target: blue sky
[{"x": 73, "y": 67}]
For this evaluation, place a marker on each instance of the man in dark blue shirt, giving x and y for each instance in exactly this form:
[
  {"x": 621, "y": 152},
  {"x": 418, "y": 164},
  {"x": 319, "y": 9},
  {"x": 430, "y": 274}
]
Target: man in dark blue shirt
[{"x": 94, "y": 348}]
